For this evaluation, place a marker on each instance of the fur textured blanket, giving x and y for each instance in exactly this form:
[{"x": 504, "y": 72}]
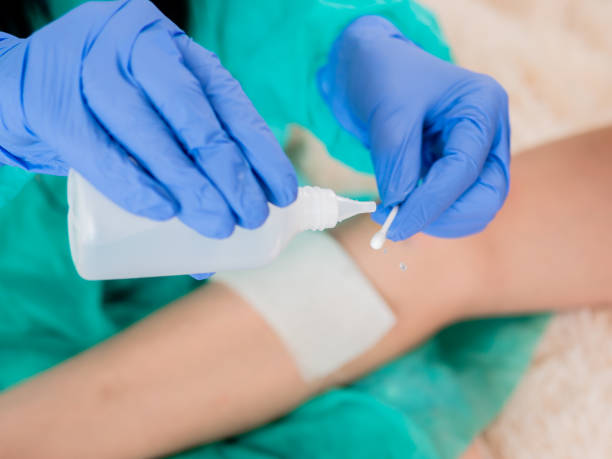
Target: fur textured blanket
[{"x": 554, "y": 57}]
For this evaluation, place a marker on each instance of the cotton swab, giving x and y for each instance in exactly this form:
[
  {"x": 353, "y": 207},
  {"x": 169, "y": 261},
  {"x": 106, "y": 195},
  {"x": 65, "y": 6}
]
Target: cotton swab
[{"x": 378, "y": 240}]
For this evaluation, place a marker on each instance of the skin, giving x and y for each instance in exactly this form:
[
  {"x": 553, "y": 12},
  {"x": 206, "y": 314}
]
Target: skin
[{"x": 548, "y": 249}]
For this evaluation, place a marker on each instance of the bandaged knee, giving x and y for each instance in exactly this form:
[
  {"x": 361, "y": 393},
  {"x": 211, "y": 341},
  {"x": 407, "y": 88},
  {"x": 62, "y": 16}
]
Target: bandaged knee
[{"x": 318, "y": 302}]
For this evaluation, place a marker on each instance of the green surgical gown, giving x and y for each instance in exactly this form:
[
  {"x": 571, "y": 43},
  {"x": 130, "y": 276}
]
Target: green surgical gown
[{"x": 427, "y": 404}]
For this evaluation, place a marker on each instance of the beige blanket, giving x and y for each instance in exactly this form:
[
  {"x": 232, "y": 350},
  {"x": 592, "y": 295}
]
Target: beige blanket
[{"x": 555, "y": 59}]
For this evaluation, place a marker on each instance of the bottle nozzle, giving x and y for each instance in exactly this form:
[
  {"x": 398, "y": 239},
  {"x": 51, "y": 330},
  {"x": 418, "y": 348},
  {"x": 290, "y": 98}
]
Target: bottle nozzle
[
  {"x": 320, "y": 208},
  {"x": 348, "y": 208}
]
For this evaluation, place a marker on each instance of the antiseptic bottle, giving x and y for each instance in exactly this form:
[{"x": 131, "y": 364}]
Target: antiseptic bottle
[{"x": 107, "y": 242}]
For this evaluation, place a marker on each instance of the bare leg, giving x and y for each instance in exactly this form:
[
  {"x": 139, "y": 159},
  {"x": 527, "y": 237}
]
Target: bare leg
[{"x": 549, "y": 248}]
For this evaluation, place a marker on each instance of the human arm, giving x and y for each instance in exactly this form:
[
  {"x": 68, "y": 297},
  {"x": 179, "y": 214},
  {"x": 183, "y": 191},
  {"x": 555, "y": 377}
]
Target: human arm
[
  {"x": 546, "y": 250},
  {"x": 208, "y": 366}
]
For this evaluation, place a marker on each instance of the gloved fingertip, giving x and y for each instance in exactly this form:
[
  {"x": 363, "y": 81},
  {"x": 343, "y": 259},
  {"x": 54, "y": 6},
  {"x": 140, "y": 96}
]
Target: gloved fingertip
[
  {"x": 380, "y": 214},
  {"x": 210, "y": 225},
  {"x": 202, "y": 276},
  {"x": 161, "y": 211},
  {"x": 402, "y": 235},
  {"x": 287, "y": 192},
  {"x": 405, "y": 224},
  {"x": 291, "y": 193},
  {"x": 449, "y": 231},
  {"x": 221, "y": 231},
  {"x": 384, "y": 208},
  {"x": 258, "y": 214},
  {"x": 390, "y": 200}
]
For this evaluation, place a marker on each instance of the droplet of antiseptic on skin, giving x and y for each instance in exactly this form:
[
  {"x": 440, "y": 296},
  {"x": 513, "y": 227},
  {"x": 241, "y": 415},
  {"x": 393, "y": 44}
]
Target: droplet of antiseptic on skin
[
  {"x": 384, "y": 250},
  {"x": 402, "y": 266}
]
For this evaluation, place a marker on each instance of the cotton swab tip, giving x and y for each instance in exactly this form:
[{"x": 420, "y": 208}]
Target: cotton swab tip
[{"x": 378, "y": 240}]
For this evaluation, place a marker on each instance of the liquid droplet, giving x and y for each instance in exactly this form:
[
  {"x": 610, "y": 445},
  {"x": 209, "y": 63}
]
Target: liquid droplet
[
  {"x": 403, "y": 267},
  {"x": 384, "y": 250}
]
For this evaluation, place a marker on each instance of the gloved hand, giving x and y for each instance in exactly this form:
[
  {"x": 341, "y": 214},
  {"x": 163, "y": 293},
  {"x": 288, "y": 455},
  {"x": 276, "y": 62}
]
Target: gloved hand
[
  {"x": 438, "y": 134},
  {"x": 117, "y": 92}
]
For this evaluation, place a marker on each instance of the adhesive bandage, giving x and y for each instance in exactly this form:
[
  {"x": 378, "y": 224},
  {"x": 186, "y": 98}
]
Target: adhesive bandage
[{"x": 318, "y": 302}]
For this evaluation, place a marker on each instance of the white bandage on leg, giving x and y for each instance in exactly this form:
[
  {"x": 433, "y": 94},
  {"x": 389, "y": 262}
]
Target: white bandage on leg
[{"x": 318, "y": 302}]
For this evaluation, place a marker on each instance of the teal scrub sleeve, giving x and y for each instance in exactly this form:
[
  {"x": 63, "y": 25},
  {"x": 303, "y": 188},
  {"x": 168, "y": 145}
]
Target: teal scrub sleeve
[{"x": 275, "y": 48}]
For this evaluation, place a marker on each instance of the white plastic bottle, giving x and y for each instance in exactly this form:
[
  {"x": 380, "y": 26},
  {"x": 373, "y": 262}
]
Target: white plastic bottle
[{"x": 108, "y": 242}]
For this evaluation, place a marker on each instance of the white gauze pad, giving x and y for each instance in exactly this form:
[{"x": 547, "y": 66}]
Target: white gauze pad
[{"x": 317, "y": 301}]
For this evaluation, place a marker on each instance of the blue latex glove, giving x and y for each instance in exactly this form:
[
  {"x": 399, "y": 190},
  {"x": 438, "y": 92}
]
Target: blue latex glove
[
  {"x": 117, "y": 92},
  {"x": 438, "y": 134}
]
